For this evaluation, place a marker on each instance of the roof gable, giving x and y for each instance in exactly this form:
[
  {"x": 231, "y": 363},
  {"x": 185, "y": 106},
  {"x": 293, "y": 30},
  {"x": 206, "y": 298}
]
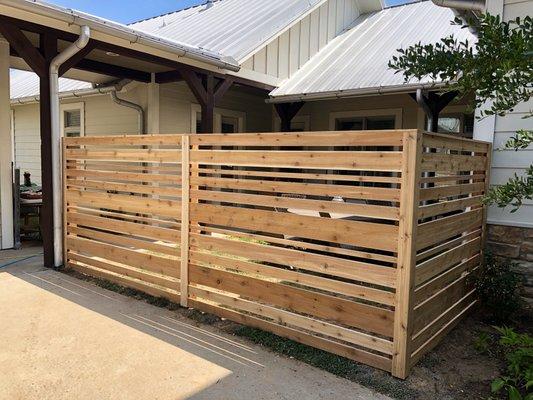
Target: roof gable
[{"x": 357, "y": 60}]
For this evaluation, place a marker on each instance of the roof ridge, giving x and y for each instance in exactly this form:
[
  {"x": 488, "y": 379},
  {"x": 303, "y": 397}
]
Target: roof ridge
[{"x": 171, "y": 12}]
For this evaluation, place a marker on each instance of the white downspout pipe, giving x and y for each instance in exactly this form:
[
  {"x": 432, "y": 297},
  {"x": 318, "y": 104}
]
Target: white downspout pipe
[
  {"x": 136, "y": 107},
  {"x": 58, "y": 60}
]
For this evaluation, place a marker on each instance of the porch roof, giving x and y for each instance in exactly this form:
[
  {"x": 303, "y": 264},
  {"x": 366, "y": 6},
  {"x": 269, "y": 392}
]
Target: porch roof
[
  {"x": 24, "y": 85},
  {"x": 356, "y": 62}
]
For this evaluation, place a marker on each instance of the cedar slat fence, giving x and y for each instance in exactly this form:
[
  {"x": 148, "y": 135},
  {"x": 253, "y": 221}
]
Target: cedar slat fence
[{"x": 357, "y": 243}]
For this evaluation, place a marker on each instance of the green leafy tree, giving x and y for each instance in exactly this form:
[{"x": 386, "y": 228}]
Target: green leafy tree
[{"x": 498, "y": 67}]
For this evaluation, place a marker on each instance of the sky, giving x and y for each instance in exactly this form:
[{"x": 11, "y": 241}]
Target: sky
[{"x": 127, "y": 11}]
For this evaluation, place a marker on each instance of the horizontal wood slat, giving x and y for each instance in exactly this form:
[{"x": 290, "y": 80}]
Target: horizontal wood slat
[
  {"x": 356, "y": 270},
  {"x": 169, "y": 208},
  {"x": 346, "y": 138},
  {"x": 356, "y": 233},
  {"x": 316, "y": 189},
  {"x": 433, "y": 232},
  {"x": 349, "y": 160},
  {"x": 369, "y": 318},
  {"x": 331, "y": 346}
]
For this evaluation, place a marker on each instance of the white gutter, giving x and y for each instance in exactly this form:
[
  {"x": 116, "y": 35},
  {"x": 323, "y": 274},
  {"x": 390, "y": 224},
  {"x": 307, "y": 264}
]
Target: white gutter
[
  {"x": 72, "y": 94},
  {"x": 124, "y": 32},
  {"x": 339, "y": 94},
  {"x": 58, "y": 60}
]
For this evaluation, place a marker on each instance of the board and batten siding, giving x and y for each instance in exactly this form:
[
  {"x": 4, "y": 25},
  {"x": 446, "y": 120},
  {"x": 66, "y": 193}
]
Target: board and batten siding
[
  {"x": 506, "y": 163},
  {"x": 288, "y": 52}
]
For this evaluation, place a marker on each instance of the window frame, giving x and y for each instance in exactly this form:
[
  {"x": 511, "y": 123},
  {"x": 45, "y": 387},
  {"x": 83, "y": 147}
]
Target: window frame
[
  {"x": 72, "y": 107},
  {"x": 219, "y": 113},
  {"x": 397, "y": 113}
]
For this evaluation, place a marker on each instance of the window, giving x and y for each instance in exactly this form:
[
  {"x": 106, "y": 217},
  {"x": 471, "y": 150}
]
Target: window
[
  {"x": 365, "y": 123},
  {"x": 72, "y": 120},
  {"x": 456, "y": 124},
  {"x": 226, "y": 121},
  {"x": 366, "y": 120}
]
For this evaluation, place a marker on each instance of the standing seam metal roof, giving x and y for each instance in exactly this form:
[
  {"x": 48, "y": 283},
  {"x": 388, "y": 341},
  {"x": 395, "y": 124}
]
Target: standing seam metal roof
[
  {"x": 358, "y": 59},
  {"x": 234, "y": 28}
]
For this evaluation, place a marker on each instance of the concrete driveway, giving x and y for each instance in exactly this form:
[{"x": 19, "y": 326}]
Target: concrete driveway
[{"x": 62, "y": 338}]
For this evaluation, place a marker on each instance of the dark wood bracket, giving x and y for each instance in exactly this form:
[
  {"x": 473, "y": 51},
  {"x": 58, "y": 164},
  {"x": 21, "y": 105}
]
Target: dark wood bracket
[{"x": 286, "y": 112}]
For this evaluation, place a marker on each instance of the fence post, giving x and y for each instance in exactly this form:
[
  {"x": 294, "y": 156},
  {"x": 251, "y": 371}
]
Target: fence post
[
  {"x": 185, "y": 200},
  {"x": 403, "y": 310}
]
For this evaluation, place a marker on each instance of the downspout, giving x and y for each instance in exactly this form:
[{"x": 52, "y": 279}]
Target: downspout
[
  {"x": 466, "y": 5},
  {"x": 126, "y": 103},
  {"x": 58, "y": 60},
  {"x": 464, "y": 9}
]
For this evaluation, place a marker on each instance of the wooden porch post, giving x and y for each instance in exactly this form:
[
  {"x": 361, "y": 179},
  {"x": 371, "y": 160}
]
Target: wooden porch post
[
  {"x": 286, "y": 112},
  {"x": 48, "y": 47},
  {"x": 207, "y": 94}
]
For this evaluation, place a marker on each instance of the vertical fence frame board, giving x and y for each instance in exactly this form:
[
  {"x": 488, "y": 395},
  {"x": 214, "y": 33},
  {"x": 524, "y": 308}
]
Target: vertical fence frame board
[
  {"x": 484, "y": 232},
  {"x": 63, "y": 198},
  {"x": 185, "y": 198},
  {"x": 412, "y": 156}
]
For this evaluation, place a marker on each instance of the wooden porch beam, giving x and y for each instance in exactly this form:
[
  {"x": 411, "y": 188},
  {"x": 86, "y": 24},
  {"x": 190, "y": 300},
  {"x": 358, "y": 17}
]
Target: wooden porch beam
[
  {"x": 103, "y": 68},
  {"x": 78, "y": 57},
  {"x": 113, "y": 70},
  {"x": 22, "y": 45},
  {"x": 168, "y": 77}
]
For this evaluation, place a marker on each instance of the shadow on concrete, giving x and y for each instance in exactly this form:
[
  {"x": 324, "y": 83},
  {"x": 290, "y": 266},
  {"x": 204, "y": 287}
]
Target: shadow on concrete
[{"x": 252, "y": 373}]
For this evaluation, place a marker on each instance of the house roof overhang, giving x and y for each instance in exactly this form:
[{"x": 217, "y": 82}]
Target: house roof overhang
[{"x": 67, "y": 22}]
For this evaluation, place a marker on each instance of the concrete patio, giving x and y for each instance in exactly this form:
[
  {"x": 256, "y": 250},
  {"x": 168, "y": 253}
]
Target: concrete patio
[{"x": 63, "y": 338}]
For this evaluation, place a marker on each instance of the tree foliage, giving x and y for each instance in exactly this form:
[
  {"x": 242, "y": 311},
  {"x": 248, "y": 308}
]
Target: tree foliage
[{"x": 498, "y": 67}]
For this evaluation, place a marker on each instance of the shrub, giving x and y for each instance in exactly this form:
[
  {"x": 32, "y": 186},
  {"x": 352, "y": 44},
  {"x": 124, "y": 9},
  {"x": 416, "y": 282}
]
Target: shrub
[
  {"x": 518, "y": 381},
  {"x": 498, "y": 288}
]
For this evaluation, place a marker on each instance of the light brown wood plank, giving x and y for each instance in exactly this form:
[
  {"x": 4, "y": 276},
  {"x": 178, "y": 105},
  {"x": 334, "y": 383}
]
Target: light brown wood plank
[
  {"x": 356, "y": 233},
  {"x": 368, "y": 318}
]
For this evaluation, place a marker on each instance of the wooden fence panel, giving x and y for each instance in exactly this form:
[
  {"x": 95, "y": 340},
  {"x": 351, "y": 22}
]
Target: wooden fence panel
[
  {"x": 449, "y": 236},
  {"x": 358, "y": 243},
  {"x": 123, "y": 210}
]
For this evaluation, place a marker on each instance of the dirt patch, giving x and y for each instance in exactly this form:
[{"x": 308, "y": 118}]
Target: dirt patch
[{"x": 453, "y": 370}]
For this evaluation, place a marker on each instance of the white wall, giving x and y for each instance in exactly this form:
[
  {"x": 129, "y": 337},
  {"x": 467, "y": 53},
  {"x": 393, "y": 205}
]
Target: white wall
[
  {"x": 287, "y": 53},
  {"x": 499, "y": 129}
]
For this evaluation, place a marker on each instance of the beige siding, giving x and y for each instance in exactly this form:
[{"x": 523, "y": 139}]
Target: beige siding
[
  {"x": 287, "y": 53},
  {"x": 102, "y": 117},
  {"x": 320, "y": 111},
  {"x": 27, "y": 141},
  {"x": 176, "y": 108}
]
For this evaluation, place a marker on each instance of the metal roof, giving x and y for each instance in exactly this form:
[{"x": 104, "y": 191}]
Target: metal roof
[
  {"x": 129, "y": 33},
  {"x": 25, "y": 84},
  {"x": 356, "y": 62},
  {"x": 235, "y": 28}
]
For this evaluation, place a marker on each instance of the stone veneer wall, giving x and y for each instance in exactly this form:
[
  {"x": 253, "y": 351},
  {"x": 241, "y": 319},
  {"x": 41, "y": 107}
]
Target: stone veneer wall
[{"x": 515, "y": 243}]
